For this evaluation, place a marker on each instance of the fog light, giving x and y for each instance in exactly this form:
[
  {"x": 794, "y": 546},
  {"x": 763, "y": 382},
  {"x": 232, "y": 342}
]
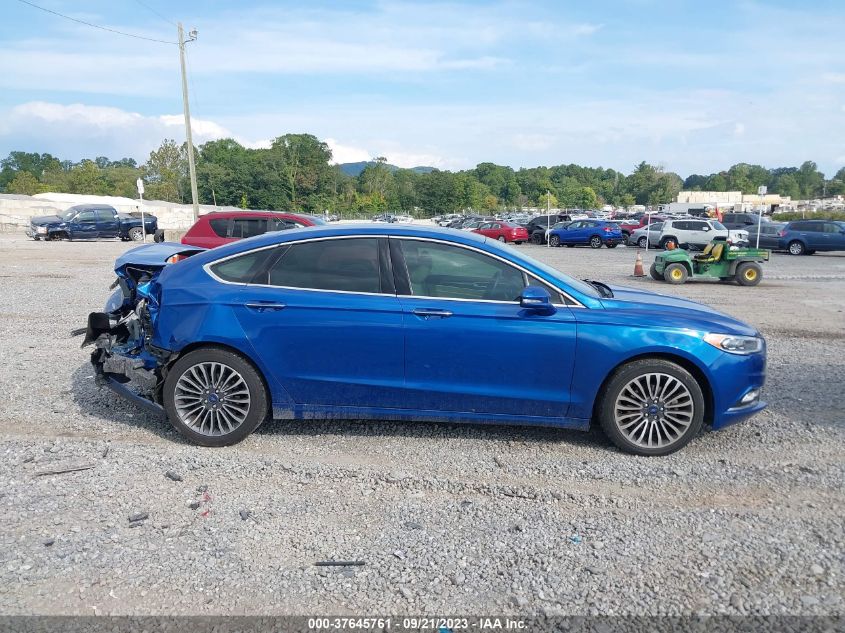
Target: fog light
[{"x": 750, "y": 397}]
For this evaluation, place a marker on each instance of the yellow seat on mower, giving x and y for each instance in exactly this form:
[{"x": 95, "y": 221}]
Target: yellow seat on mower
[{"x": 712, "y": 253}]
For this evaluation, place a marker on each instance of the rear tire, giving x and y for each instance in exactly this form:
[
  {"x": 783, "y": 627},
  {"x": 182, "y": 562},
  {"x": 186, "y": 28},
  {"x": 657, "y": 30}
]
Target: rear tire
[
  {"x": 667, "y": 425},
  {"x": 595, "y": 242},
  {"x": 614, "y": 245},
  {"x": 796, "y": 248},
  {"x": 136, "y": 234},
  {"x": 642, "y": 242},
  {"x": 675, "y": 274},
  {"x": 199, "y": 386},
  {"x": 654, "y": 274},
  {"x": 502, "y": 238},
  {"x": 749, "y": 274}
]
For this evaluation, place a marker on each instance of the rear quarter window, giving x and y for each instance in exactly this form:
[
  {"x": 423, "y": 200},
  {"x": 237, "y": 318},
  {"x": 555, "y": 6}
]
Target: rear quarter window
[
  {"x": 220, "y": 226},
  {"x": 242, "y": 269}
]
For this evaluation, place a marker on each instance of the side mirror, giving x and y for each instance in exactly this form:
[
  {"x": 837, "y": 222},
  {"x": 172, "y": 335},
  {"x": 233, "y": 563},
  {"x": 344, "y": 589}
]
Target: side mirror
[{"x": 537, "y": 299}]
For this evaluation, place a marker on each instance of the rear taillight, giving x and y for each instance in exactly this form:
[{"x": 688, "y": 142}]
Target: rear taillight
[
  {"x": 781, "y": 233},
  {"x": 607, "y": 229},
  {"x": 173, "y": 259}
]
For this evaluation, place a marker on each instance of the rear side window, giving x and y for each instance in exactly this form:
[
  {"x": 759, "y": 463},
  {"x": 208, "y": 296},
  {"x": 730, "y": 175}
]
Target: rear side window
[
  {"x": 830, "y": 227},
  {"x": 248, "y": 227},
  {"x": 220, "y": 226},
  {"x": 105, "y": 215},
  {"x": 242, "y": 269},
  {"x": 350, "y": 265},
  {"x": 801, "y": 226}
]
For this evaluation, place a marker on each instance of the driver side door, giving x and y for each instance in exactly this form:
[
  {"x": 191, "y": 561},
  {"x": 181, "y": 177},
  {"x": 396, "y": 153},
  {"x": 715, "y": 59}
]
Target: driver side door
[
  {"x": 469, "y": 346},
  {"x": 83, "y": 226}
]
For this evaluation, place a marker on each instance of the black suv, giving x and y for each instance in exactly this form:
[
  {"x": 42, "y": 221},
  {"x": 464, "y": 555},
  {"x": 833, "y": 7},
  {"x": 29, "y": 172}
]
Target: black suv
[{"x": 538, "y": 226}]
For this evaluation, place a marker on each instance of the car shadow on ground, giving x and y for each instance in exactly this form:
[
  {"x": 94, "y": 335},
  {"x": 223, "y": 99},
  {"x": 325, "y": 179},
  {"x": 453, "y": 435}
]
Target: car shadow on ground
[{"x": 103, "y": 403}]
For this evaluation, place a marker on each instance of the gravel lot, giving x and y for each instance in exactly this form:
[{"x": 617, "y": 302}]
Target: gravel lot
[{"x": 447, "y": 518}]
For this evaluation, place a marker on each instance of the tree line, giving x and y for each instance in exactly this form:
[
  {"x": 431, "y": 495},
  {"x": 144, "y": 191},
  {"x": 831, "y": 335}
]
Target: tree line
[{"x": 296, "y": 173}]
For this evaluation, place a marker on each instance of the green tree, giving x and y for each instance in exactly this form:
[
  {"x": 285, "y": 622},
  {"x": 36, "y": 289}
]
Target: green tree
[
  {"x": 165, "y": 171},
  {"x": 24, "y": 183}
]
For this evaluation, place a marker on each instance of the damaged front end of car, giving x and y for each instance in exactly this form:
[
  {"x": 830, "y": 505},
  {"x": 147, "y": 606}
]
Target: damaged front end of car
[{"x": 124, "y": 358}]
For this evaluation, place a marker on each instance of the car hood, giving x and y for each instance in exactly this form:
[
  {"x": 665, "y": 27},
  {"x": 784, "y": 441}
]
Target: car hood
[
  {"x": 46, "y": 219},
  {"x": 663, "y": 310}
]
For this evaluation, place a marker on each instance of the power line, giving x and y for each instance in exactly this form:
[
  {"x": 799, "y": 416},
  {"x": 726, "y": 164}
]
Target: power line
[
  {"x": 96, "y": 26},
  {"x": 149, "y": 8}
]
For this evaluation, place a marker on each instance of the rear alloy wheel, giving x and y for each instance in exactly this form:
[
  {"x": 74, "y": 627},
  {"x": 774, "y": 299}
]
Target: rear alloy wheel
[
  {"x": 554, "y": 240},
  {"x": 136, "y": 234},
  {"x": 642, "y": 242},
  {"x": 651, "y": 407},
  {"x": 214, "y": 397},
  {"x": 595, "y": 242},
  {"x": 502, "y": 238},
  {"x": 675, "y": 273},
  {"x": 749, "y": 274},
  {"x": 796, "y": 248},
  {"x": 611, "y": 245}
]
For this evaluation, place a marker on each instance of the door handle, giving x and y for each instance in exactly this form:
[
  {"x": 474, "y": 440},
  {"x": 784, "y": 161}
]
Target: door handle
[
  {"x": 430, "y": 312},
  {"x": 261, "y": 307}
]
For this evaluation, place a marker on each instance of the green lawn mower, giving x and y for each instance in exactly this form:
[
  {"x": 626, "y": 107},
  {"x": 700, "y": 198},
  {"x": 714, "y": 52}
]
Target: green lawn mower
[{"x": 718, "y": 260}]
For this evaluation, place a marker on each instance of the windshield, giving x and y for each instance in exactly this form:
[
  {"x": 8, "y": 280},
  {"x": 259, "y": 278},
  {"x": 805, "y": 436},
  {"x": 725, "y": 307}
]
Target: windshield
[
  {"x": 67, "y": 216},
  {"x": 316, "y": 220},
  {"x": 576, "y": 284}
]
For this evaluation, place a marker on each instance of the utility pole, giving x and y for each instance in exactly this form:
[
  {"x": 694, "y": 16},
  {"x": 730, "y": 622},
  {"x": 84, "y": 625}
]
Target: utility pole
[{"x": 192, "y": 169}]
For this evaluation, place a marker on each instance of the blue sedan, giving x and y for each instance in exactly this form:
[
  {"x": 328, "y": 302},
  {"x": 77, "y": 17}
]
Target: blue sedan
[
  {"x": 592, "y": 233},
  {"x": 407, "y": 323}
]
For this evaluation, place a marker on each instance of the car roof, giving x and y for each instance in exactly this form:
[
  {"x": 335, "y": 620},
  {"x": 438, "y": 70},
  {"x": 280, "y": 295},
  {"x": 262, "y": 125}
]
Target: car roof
[
  {"x": 225, "y": 215},
  {"x": 91, "y": 207}
]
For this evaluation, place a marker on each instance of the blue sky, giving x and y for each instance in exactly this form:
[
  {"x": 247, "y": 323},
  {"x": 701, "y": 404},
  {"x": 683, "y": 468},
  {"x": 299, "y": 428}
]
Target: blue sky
[{"x": 694, "y": 86}]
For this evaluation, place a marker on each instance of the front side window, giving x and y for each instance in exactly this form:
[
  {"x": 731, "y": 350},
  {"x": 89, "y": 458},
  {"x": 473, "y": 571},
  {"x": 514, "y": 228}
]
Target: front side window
[
  {"x": 451, "y": 272},
  {"x": 349, "y": 265},
  {"x": 718, "y": 226},
  {"x": 283, "y": 224},
  {"x": 248, "y": 227},
  {"x": 105, "y": 215},
  {"x": 86, "y": 217}
]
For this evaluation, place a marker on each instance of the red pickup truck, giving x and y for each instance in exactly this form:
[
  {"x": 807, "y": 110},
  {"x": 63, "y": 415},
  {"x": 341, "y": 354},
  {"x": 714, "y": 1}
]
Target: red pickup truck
[{"x": 629, "y": 227}]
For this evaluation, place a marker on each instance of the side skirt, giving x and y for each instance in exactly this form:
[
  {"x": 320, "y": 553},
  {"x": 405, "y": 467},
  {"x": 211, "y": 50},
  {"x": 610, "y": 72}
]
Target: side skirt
[{"x": 323, "y": 412}]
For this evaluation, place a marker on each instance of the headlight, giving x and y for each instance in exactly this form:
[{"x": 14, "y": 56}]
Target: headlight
[
  {"x": 40, "y": 229},
  {"x": 735, "y": 344}
]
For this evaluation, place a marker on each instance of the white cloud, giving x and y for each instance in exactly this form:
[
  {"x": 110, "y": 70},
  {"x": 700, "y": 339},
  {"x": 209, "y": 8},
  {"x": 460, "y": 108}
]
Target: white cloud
[
  {"x": 347, "y": 153},
  {"x": 739, "y": 128}
]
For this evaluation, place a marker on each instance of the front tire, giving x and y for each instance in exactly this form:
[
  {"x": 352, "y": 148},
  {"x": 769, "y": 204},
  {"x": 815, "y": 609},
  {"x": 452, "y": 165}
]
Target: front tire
[
  {"x": 796, "y": 248},
  {"x": 613, "y": 245},
  {"x": 749, "y": 274},
  {"x": 554, "y": 240},
  {"x": 642, "y": 242},
  {"x": 502, "y": 238},
  {"x": 595, "y": 242},
  {"x": 651, "y": 407},
  {"x": 675, "y": 274},
  {"x": 654, "y": 274},
  {"x": 215, "y": 397}
]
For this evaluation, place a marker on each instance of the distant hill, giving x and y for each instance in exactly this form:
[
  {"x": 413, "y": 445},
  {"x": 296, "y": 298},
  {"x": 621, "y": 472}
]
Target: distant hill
[{"x": 355, "y": 169}]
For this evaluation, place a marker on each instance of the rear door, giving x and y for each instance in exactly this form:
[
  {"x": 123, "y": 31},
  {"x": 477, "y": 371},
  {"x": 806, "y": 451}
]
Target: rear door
[
  {"x": 469, "y": 346},
  {"x": 248, "y": 227},
  {"x": 108, "y": 224},
  {"x": 325, "y": 319}
]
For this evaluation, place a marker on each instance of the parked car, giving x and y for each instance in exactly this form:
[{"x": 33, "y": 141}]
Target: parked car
[
  {"x": 747, "y": 221},
  {"x": 698, "y": 233},
  {"x": 805, "y": 237},
  {"x": 412, "y": 323},
  {"x": 539, "y": 225},
  {"x": 503, "y": 231},
  {"x": 591, "y": 233},
  {"x": 93, "y": 221},
  {"x": 649, "y": 234},
  {"x": 218, "y": 228},
  {"x": 629, "y": 226},
  {"x": 769, "y": 234}
]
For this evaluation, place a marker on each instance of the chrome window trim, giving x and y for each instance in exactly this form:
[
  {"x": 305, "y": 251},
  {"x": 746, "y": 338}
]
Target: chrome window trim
[{"x": 210, "y": 273}]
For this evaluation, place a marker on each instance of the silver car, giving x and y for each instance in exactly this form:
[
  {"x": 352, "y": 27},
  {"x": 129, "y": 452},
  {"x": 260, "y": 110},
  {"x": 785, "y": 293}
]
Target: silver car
[{"x": 650, "y": 233}]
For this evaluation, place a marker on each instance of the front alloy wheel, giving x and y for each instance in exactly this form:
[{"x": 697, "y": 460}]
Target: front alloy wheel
[
  {"x": 652, "y": 407},
  {"x": 554, "y": 240},
  {"x": 214, "y": 397}
]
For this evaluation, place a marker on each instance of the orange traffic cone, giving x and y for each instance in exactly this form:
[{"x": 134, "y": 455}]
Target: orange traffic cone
[{"x": 638, "y": 266}]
